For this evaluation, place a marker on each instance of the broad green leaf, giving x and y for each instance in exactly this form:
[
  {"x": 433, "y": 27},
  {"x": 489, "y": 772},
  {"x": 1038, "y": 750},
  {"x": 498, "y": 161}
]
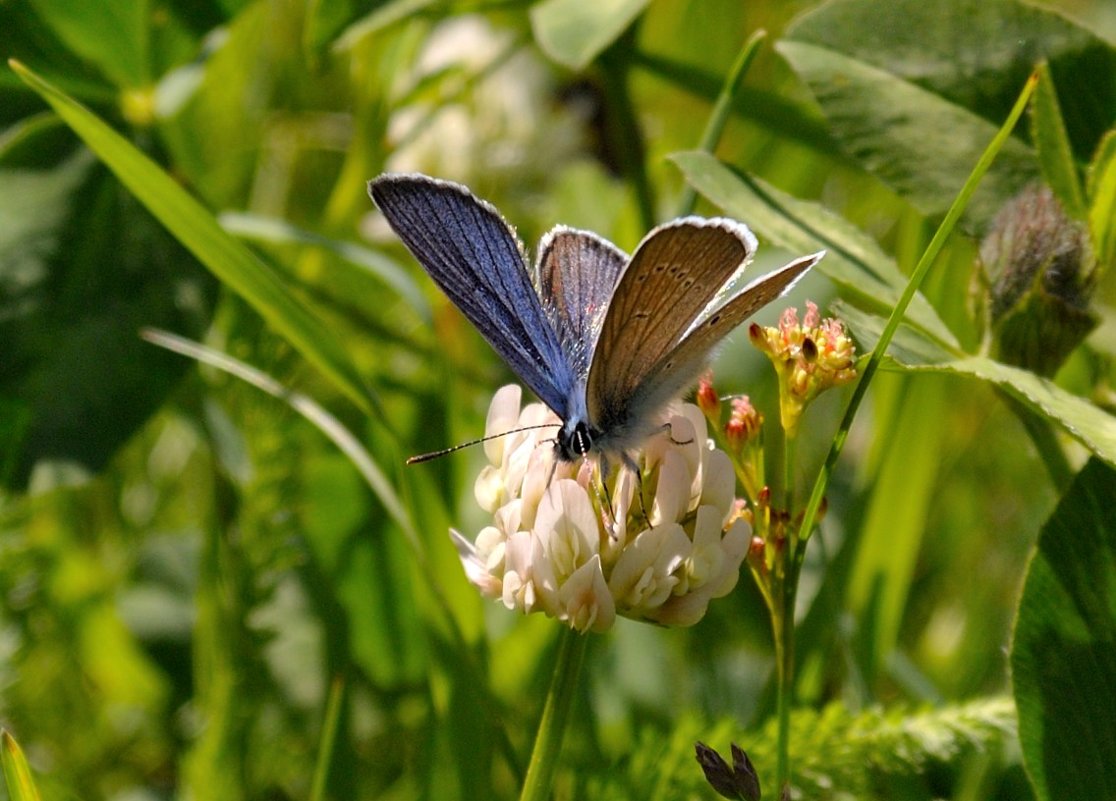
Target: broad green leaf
[
  {"x": 853, "y": 260},
  {"x": 197, "y": 229},
  {"x": 574, "y": 32},
  {"x": 1092, "y": 427},
  {"x": 916, "y": 142},
  {"x": 1063, "y": 656},
  {"x": 112, "y": 34},
  {"x": 1054, "y": 152},
  {"x": 82, "y": 267},
  {"x": 17, "y": 773},
  {"x": 914, "y": 105},
  {"x": 1102, "y": 201}
]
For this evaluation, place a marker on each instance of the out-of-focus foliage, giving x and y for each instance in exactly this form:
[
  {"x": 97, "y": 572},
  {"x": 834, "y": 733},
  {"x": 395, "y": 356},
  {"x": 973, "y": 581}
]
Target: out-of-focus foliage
[{"x": 187, "y": 566}]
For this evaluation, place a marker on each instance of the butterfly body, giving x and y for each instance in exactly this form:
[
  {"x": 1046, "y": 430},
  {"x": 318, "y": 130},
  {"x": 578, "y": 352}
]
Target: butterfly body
[{"x": 607, "y": 341}]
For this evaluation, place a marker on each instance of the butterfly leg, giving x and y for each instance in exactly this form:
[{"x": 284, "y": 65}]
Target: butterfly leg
[{"x": 630, "y": 463}]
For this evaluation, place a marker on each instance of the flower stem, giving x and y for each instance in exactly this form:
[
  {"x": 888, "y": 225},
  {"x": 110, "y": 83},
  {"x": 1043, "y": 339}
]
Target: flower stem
[
  {"x": 783, "y": 627},
  {"x": 788, "y": 473},
  {"x": 552, "y": 726}
]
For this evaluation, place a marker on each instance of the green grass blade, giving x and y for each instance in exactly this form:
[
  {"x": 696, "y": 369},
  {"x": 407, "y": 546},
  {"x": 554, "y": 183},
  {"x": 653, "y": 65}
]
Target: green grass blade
[
  {"x": 17, "y": 773},
  {"x": 197, "y": 229},
  {"x": 325, "y": 422},
  {"x": 329, "y": 737},
  {"x": 921, "y": 269},
  {"x": 273, "y": 231}
]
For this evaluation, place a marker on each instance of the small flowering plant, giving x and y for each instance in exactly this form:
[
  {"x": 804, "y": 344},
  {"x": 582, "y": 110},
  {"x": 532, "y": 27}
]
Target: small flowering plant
[
  {"x": 657, "y": 546},
  {"x": 809, "y": 358}
]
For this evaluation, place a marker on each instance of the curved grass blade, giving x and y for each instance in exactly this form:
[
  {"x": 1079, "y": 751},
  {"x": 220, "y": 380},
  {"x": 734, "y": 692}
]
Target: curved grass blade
[
  {"x": 370, "y": 471},
  {"x": 197, "y": 229},
  {"x": 1087, "y": 423},
  {"x": 278, "y": 232}
]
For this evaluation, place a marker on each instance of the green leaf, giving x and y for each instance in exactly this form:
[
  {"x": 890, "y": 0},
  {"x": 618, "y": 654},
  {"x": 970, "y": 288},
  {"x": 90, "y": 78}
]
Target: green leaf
[
  {"x": 197, "y": 229},
  {"x": 574, "y": 32},
  {"x": 1102, "y": 200},
  {"x": 917, "y": 105},
  {"x": 1054, "y": 152},
  {"x": 17, "y": 773},
  {"x": 112, "y": 34},
  {"x": 854, "y": 261},
  {"x": 1063, "y": 656},
  {"x": 919, "y": 144},
  {"x": 1089, "y": 425}
]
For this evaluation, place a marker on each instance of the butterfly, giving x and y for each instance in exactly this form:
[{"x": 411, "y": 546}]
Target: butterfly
[{"x": 607, "y": 341}]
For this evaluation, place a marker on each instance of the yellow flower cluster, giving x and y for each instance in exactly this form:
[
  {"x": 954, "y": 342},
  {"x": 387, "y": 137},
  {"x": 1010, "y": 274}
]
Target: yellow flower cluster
[{"x": 809, "y": 358}]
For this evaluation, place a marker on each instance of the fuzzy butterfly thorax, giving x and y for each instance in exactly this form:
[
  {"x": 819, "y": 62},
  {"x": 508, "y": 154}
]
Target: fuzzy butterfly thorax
[{"x": 607, "y": 341}]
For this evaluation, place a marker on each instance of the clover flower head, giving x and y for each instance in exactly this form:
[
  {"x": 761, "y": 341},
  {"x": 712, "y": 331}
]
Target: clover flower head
[
  {"x": 809, "y": 358},
  {"x": 564, "y": 544}
]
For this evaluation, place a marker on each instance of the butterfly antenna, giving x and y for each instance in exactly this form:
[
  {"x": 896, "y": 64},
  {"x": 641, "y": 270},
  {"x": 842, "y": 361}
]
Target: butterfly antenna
[{"x": 426, "y": 457}]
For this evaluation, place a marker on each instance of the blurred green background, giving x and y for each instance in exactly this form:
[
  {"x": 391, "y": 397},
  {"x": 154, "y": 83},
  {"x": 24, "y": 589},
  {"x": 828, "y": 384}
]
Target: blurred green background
[{"x": 187, "y": 566}]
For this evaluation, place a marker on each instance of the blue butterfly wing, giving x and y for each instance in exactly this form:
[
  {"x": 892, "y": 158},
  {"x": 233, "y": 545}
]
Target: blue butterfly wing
[
  {"x": 578, "y": 271},
  {"x": 474, "y": 257}
]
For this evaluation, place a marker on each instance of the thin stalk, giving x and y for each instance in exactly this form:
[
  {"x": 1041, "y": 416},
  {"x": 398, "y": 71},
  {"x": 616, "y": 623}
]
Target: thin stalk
[
  {"x": 552, "y": 726},
  {"x": 721, "y": 108},
  {"x": 784, "y": 663},
  {"x": 788, "y": 472},
  {"x": 921, "y": 269},
  {"x": 329, "y": 737}
]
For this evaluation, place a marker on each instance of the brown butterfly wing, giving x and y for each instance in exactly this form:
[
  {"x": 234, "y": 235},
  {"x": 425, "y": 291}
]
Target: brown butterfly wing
[{"x": 673, "y": 276}]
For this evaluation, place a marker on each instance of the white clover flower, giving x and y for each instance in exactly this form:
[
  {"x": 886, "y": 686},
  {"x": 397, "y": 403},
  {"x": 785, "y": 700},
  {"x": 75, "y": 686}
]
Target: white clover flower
[{"x": 562, "y": 544}]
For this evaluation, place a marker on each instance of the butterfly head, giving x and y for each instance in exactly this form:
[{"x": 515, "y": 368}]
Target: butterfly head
[{"x": 575, "y": 440}]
